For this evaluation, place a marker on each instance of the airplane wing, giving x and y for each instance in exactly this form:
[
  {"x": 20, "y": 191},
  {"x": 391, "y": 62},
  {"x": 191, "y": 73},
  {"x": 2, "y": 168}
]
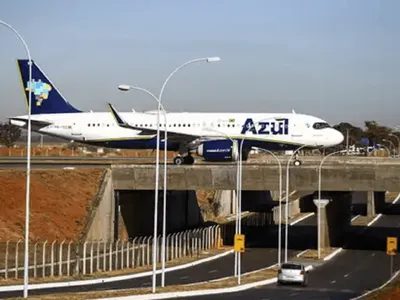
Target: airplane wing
[{"x": 172, "y": 135}]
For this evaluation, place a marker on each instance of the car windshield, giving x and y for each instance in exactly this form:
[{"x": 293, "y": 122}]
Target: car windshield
[
  {"x": 291, "y": 266},
  {"x": 321, "y": 125}
]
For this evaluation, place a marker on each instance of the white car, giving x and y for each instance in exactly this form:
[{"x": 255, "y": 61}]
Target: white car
[{"x": 292, "y": 273}]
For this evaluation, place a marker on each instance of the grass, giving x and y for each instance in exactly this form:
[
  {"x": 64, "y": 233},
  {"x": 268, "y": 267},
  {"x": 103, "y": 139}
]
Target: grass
[
  {"x": 389, "y": 292},
  {"x": 229, "y": 282},
  {"x": 362, "y": 221},
  {"x": 126, "y": 271},
  {"x": 295, "y": 218},
  {"x": 313, "y": 254}
]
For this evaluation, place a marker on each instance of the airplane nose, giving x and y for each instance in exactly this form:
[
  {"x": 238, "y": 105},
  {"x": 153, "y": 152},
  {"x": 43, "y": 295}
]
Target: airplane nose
[{"x": 338, "y": 137}]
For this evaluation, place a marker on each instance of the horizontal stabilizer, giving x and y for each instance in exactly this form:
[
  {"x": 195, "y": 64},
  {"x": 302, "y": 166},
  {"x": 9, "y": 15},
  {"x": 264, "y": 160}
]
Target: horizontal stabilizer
[{"x": 22, "y": 122}]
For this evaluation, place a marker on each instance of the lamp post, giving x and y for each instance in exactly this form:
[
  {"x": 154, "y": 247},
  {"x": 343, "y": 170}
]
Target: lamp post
[
  {"x": 28, "y": 161},
  {"x": 159, "y": 100},
  {"x": 280, "y": 204},
  {"x": 160, "y": 106},
  {"x": 287, "y": 201},
  {"x": 398, "y": 142},
  {"x": 239, "y": 221},
  {"x": 319, "y": 198},
  {"x": 391, "y": 144},
  {"x": 206, "y": 59},
  {"x": 234, "y": 144},
  {"x": 387, "y": 149}
]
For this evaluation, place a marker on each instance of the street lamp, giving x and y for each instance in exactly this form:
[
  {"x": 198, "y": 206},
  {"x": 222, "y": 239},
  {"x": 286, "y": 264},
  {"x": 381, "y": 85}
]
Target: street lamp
[
  {"x": 239, "y": 223},
  {"x": 125, "y": 88},
  {"x": 28, "y": 161},
  {"x": 398, "y": 142},
  {"x": 234, "y": 144},
  {"x": 319, "y": 198},
  {"x": 280, "y": 204},
  {"x": 208, "y": 60},
  {"x": 387, "y": 149},
  {"x": 390, "y": 142},
  {"x": 287, "y": 200}
]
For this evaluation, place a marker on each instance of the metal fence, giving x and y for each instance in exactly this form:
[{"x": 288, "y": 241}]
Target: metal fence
[{"x": 49, "y": 259}]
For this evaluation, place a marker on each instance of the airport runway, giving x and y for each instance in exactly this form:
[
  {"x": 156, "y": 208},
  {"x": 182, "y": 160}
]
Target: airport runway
[{"x": 252, "y": 259}]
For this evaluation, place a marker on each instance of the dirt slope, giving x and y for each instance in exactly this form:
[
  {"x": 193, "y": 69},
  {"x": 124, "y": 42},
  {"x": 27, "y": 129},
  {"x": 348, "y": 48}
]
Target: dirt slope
[{"x": 59, "y": 201}]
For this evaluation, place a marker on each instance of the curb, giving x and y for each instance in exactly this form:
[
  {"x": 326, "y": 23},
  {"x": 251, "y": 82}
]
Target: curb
[
  {"x": 333, "y": 254},
  {"x": 170, "y": 295},
  {"x": 38, "y": 286},
  {"x": 378, "y": 288},
  {"x": 194, "y": 293}
]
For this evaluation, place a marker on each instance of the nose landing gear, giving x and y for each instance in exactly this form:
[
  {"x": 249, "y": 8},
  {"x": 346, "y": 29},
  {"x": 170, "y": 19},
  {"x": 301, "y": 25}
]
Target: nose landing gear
[
  {"x": 297, "y": 162},
  {"x": 184, "y": 160}
]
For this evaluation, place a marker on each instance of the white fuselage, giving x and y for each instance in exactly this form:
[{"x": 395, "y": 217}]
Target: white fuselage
[{"x": 102, "y": 127}]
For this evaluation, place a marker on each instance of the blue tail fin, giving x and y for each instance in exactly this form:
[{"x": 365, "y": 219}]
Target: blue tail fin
[{"x": 46, "y": 99}]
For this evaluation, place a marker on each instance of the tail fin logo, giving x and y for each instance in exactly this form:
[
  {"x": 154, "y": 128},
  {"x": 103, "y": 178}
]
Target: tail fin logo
[{"x": 39, "y": 89}]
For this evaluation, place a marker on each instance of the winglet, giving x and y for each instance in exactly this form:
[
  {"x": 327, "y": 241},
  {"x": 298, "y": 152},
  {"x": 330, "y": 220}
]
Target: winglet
[
  {"x": 293, "y": 112},
  {"x": 117, "y": 117}
]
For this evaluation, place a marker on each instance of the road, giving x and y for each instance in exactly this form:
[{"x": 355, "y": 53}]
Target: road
[
  {"x": 346, "y": 276},
  {"x": 253, "y": 259}
]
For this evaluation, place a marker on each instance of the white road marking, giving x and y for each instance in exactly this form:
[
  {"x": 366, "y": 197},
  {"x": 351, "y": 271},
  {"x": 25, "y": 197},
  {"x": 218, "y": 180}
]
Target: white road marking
[{"x": 302, "y": 218}]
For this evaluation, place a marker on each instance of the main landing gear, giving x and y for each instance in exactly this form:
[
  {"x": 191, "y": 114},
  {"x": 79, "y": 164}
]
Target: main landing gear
[{"x": 184, "y": 160}]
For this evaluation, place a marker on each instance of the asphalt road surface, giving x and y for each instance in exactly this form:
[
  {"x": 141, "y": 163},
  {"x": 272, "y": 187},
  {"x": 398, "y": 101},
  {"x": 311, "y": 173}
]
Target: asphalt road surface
[
  {"x": 252, "y": 259},
  {"x": 349, "y": 274}
]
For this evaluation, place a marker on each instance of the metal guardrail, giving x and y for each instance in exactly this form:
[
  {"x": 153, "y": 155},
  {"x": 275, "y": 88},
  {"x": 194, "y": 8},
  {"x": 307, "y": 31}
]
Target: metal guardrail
[{"x": 49, "y": 259}]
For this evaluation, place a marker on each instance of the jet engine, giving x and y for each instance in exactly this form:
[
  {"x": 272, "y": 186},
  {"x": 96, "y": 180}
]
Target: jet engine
[{"x": 219, "y": 150}]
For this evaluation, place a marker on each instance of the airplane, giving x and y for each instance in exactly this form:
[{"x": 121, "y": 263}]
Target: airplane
[{"x": 214, "y": 136}]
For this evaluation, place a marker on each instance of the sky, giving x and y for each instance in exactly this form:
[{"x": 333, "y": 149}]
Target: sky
[{"x": 334, "y": 59}]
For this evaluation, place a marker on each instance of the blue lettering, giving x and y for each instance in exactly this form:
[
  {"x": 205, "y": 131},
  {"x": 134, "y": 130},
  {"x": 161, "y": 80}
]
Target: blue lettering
[
  {"x": 263, "y": 128},
  {"x": 249, "y": 126},
  {"x": 280, "y": 127}
]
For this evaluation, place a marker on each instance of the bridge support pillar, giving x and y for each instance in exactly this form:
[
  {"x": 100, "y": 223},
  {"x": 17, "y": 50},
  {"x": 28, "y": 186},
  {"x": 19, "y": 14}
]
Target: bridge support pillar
[
  {"x": 371, "y": 212},
  {"x": 335, "y": 218},
  {"x": 322, "y": 225}
]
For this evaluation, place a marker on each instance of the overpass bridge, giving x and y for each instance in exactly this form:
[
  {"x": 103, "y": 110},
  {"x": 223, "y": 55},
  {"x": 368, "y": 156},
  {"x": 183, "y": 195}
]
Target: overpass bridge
[
  {"x": 368, "y": 174},
  {"x": 340, "y": 176},
  {"x": 131, "y": 190}
]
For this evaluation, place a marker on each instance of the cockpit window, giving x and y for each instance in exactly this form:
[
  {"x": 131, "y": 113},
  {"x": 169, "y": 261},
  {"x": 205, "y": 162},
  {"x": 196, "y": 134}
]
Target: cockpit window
[{"x": 321, "y": 125}]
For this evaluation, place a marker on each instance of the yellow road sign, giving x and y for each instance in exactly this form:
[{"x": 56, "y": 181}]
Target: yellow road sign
[
  {"x": 391, "y": 245},
  {"x": 239, "y": 243}
]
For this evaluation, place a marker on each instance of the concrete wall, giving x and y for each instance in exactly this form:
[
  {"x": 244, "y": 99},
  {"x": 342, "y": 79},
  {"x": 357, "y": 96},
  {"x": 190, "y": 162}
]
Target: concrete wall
[
  {"x": 338, "y": 216},
  {"x": 226, "y": 200},
  {"x": 137, "y": 211},
  {"x": 293, "y": 210},
  {"x": 355, "y": 175},
  {"x": 100, "y": 224}
]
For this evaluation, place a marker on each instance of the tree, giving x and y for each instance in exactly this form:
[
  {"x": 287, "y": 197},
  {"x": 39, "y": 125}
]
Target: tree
[
  {"x": 9, "y": 134},
  {"x": 355, "y": 133},
  {"x": 377, "y": 132}
]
